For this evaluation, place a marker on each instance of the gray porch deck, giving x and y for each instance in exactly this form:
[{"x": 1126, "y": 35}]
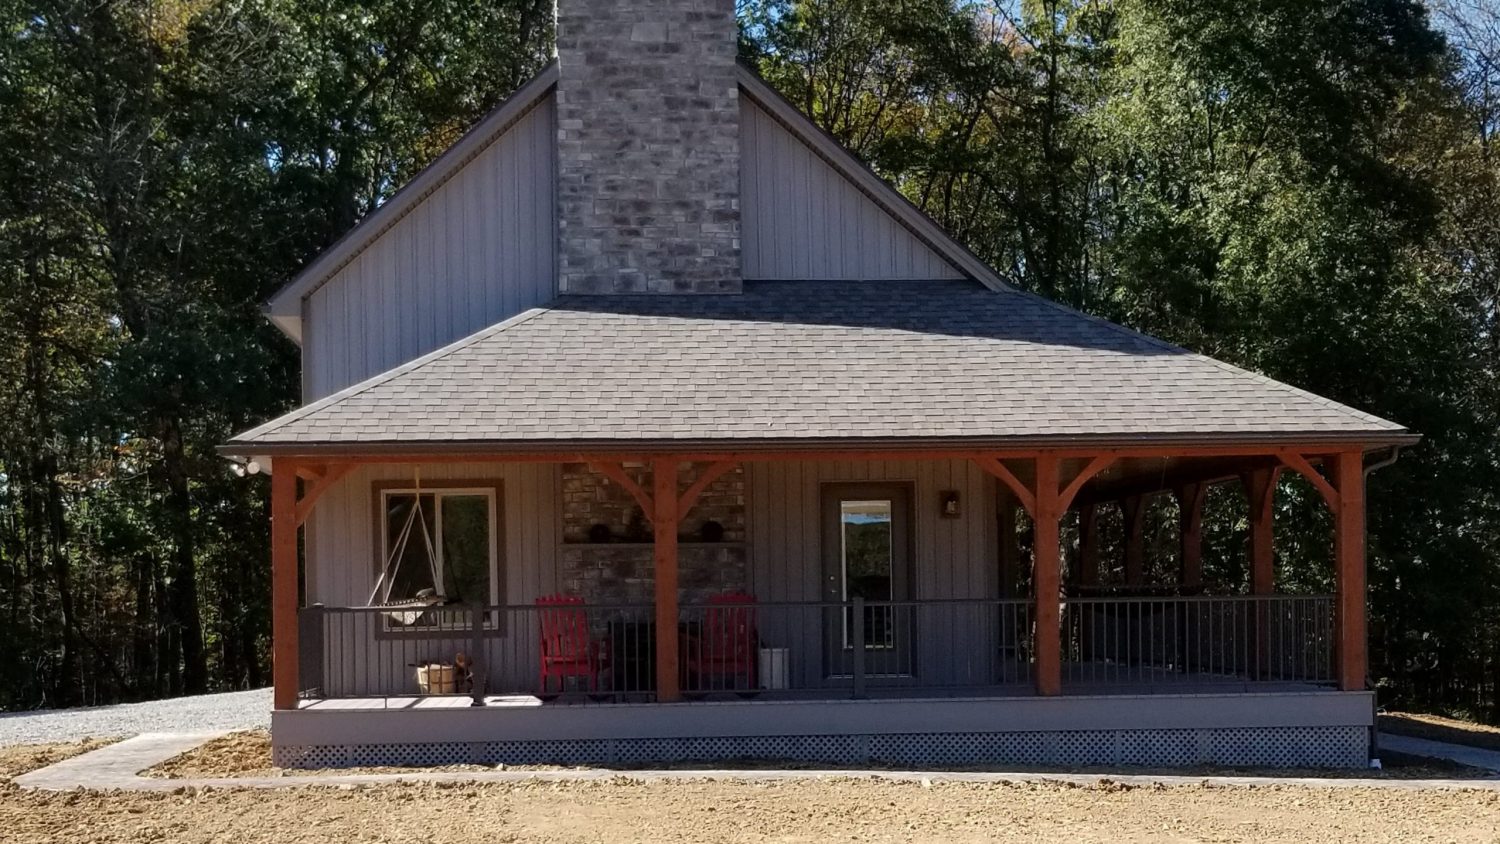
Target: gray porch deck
[{"x": 1168, "y": 683}]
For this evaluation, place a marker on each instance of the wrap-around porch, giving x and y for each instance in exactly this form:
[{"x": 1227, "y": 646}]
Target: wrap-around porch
[{"x": 1047, "y": 623}]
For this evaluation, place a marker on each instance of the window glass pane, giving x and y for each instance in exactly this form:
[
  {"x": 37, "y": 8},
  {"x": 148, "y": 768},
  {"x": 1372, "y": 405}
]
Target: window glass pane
[
  {"x": 466, "y": 548},
  {"x": 412, "y": 577}
]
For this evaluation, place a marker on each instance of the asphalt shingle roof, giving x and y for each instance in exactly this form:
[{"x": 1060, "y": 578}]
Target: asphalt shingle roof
[{"x": 803, "y": 361}]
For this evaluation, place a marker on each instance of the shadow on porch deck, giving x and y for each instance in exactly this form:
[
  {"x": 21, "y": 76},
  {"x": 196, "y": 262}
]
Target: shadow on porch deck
[{"x": 1168, "y": 684}]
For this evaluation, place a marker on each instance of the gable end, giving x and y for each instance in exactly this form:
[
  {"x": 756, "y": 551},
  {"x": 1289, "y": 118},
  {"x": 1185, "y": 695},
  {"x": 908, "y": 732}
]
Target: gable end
[
  {"x": 285, "y": 308},
  {"x": 794, "y": 218}
]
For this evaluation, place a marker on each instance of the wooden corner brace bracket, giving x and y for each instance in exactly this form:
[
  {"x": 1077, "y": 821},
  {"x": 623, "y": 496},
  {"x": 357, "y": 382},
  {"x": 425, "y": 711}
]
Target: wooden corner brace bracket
[
  {"x": 616, "y": 472},
  {"x": 1316, "y": 478},
  {"x": 319, "y": 483},
  {"x": 995, "y": 466}
]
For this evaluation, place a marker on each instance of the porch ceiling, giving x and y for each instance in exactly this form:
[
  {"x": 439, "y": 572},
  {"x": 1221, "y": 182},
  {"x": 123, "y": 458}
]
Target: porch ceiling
[{"x": 812, "y": 362}]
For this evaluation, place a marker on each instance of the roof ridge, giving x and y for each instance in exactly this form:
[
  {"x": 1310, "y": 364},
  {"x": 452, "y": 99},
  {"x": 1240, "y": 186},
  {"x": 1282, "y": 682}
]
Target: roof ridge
[{"x": 1324, "y": 401}]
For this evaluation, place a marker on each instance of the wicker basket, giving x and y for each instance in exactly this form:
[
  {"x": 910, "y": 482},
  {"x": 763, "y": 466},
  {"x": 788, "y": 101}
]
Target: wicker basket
[{"x": 437, "y": 678}]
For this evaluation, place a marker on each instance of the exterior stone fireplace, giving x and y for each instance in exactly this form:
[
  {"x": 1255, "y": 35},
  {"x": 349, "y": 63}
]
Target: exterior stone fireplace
[{"x": 607, "y": 553}]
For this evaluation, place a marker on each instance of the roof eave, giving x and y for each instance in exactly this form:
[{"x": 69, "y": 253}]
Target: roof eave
[
  {"x": 1099, "y": 443},
  {"x": 289, "y": 324}
]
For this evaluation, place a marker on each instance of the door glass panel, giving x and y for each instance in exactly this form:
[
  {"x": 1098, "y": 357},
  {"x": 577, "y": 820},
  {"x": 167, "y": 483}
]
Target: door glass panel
[{"x": 867, "y": 567}]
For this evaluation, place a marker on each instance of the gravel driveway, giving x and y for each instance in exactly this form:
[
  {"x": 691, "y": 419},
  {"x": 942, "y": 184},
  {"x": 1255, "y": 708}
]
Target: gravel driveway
[{"x": 231, "y": 711}]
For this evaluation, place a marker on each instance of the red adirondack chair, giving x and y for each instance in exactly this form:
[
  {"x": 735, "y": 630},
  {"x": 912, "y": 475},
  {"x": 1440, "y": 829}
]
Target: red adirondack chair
[
  {"x": 726, "y": 648},
  {"x": 567, "y": 650}
]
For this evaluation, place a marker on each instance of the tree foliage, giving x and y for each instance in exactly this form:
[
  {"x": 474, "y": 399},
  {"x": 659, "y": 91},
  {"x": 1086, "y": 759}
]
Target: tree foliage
[
  {"x": 1306, "y": 189},
  {"x": 166, "y": 165}
]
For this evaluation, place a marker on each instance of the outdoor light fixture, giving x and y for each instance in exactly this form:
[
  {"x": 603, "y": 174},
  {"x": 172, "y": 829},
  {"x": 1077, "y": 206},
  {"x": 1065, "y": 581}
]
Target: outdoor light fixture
[{"x": 950, "y": 508}]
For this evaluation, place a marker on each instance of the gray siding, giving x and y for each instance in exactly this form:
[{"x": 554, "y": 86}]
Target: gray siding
[
  {"x": 802, "y": 220},
  {"x": 341, "y": 571},
  {"x": 479, "y": 249},
  {"x": 341, "y": 564},
  {"x": 954, "y": 559}
]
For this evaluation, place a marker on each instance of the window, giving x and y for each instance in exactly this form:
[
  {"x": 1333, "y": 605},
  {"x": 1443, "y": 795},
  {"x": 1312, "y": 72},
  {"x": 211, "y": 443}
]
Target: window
[{"x": 461, "y": 524}]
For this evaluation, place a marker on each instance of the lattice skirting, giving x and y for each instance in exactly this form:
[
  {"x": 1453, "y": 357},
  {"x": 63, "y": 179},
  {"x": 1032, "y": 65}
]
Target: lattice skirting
[{"x": 1286, "y": 747}]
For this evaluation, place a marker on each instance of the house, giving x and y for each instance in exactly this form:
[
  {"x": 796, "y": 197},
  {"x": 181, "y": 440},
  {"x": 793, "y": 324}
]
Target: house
[{"x": 646, "y": 425}]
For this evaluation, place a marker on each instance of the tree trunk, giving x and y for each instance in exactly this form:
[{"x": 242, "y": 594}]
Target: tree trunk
[
  {"x": 168, "y": 654},
  {"x": 186, "y": 618},
  {"x": 143, "y": 646},
  {"x": 68, "y": 683}
]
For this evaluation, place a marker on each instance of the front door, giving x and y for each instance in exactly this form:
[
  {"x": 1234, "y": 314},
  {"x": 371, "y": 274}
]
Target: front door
[{"x": 867, "y": 554}]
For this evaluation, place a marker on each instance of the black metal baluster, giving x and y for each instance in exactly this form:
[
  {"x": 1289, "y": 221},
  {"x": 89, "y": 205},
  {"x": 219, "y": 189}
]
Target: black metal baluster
[{"x": 858, "y": 636}]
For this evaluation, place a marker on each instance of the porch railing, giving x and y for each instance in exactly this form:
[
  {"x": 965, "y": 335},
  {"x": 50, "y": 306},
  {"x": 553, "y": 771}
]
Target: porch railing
[
  {"x": 812, "y": 649},
  {"x": 809, "y": 649},
  {"x": 471, "y": 651},
  {"x": 856, "y": 648},
  {"x": 1199, "y": 640}
]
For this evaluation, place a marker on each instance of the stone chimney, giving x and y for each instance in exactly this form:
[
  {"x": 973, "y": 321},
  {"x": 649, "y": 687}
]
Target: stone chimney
[{"x": 648, "y": 146}]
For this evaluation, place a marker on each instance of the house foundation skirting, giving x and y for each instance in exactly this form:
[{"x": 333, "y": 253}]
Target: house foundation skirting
[
  {"x": 1281, "y": 747},
  {"x": 1293, "y": 729}
]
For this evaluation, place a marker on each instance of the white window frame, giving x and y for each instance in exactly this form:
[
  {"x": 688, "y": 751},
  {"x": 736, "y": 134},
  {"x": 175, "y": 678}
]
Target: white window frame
[{"x": 491, "y": 494}]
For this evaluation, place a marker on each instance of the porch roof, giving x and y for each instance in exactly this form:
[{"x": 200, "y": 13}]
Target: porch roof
[{"x": 790, "y": 363}]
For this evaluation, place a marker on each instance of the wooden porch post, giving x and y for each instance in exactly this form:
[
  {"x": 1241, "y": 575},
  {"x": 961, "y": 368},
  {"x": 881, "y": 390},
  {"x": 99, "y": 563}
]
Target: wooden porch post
[
  {"x": 1190, "y": 535},
  {"x": 1088, "y": 545},
  {"x": 1349, "y": 554},
  {"x": 1044, "y": 577},
  {"x": 1260, "y": 489},
  {"x": 284, "y": 586},
  {"x": 1134, "y": 508},
  {"x": 664, "y": 499}
]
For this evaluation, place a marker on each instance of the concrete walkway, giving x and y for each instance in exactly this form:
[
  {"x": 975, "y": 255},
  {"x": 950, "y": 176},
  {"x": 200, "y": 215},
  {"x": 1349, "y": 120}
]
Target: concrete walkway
[
  {"x": 1474, "y": 757},
  {"x": 116, "y": 767}
]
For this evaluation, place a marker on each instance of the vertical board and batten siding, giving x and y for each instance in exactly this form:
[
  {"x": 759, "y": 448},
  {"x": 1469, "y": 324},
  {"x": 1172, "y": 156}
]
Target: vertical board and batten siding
[
  {"x": 342, "y": 566},
  {"x": 953, "y": 558},
  {"x": 480, "y": 249},
  {"x": 801, "y": 220}
]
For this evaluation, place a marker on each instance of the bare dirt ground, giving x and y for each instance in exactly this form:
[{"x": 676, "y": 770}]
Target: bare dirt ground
[
  {"x": 248, "y": 754},
  {"x": 1438, "y": 728},
  {"x": 19, "y": 759},
  {"x": 702, "y": 811},
  {"x": 785, "y": 811}
]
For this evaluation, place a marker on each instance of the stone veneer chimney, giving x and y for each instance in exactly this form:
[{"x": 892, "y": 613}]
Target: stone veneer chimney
[{"x": 648, "y": 146}]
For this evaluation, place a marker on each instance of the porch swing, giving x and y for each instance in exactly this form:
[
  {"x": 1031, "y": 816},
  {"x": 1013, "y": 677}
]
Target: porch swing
[{"x": 407, "y": 612}]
